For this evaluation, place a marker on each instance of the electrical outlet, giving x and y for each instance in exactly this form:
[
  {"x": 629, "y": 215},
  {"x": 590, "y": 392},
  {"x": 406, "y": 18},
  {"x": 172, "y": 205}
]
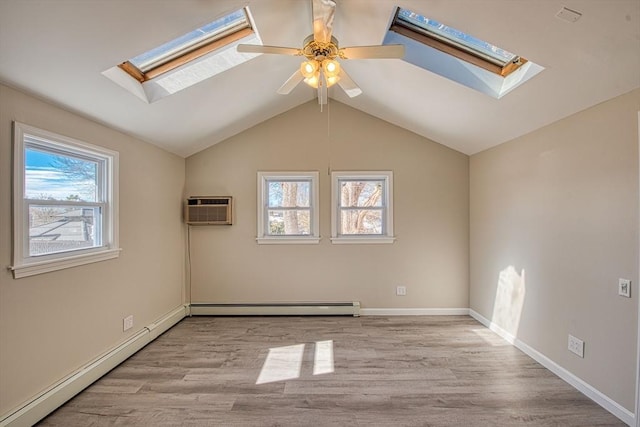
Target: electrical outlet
[
  {"x": 624, "y": 288},
  {"x": 127, "y": 323},
  {"x": 401, "y": 291},
  {"x": 576, "y": 345}
]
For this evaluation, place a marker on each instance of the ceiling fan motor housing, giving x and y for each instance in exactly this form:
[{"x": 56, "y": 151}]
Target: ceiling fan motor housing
[{"x": 319, "y": 51}]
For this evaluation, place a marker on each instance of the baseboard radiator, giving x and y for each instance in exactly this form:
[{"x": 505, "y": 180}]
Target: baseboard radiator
[
  {"x": 278, "y": 309},
  {"x": 40, "y": 406}
]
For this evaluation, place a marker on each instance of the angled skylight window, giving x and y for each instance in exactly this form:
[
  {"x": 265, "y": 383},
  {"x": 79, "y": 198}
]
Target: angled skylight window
[
  {"x": 190, "y": 59},
  {"x": 190, "y": 46},
  {"x": 456, "y": 42},
  {"x": 458, "y": 56}
]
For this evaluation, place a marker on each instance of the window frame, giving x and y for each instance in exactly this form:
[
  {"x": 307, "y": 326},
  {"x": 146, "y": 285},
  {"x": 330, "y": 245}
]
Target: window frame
[
  {"x": 24, "y": 264},
  {"x": 262, "y": 208},
  {"x": 452, "y": 46},
  {"x": 166, "y": 62},
  {"x": 387, "y": 235}
]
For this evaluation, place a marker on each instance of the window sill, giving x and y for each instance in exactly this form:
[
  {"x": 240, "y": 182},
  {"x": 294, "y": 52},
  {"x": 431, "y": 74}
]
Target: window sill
[
  {"x": 31, "y": 269},
  {"x": 284, "y": 240},
  {"x": 362, "y": 240}
]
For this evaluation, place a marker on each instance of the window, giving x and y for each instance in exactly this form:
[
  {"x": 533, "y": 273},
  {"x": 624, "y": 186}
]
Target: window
[
  {"x": 199, "y": 42},
  {"x": 65, "y": 202},
  {"x": 362, "y": 207},
  {"x": 187, "y": 60},
  {"x": 458, "y": 56},
  {"x": 456, "y": 42},
  {"x": 288, "y": 207}
]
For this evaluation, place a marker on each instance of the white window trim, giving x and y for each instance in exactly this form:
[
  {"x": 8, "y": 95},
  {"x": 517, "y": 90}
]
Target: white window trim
[
  {"x": 24, "y": 266},
  {"x": 387, "y": 177},
  {"x": 262, "y": 237}
]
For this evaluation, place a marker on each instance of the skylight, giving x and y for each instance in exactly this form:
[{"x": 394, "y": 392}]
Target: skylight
[
  {"x": 190, "y": 46},
  {"x": 455, "y": 42},
  {"x": 458, "y": 56},
  {"x": 187, "y": 60}
]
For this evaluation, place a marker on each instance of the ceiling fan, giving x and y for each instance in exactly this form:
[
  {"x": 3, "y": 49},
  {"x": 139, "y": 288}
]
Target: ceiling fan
[{"x": 321, "y": 69}]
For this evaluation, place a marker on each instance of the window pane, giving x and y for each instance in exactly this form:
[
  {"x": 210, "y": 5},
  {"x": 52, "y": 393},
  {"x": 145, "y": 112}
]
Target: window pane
[
  {"x": 289, "y": 222},
  {"x": 361, "y": 193},
  {"x": 62, "y": 228},
  {"x": 289, "y": 194},
  {"x": 52, "y": 176},
  {"x": 184, "y": 44},
  {"x": 361, "y": 221},
  {"x": 457, "y": 36}
]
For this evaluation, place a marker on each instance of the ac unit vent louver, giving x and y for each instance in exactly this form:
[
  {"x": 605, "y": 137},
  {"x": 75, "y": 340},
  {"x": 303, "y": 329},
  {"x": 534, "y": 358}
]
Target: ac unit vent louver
[{"x": 208, "y": 211}]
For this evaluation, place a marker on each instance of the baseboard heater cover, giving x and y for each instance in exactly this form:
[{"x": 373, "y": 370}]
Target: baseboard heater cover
[
  {"x": 49, "y": 400},
  {"x": 278, "y": 309}
]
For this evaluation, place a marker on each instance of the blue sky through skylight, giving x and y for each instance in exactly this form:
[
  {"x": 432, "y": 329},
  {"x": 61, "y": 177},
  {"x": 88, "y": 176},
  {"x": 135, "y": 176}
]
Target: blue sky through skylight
[
  {"x": 473, "y": 43},
  {"x": 149, "y": 59}
]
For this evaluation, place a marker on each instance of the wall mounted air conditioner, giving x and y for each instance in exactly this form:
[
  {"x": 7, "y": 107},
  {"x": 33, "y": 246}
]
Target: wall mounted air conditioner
[{"x": 208, "y": 210}]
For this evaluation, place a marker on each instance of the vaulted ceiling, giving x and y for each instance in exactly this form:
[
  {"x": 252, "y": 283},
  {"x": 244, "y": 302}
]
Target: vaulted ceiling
[{"x": 57, "y": 50}]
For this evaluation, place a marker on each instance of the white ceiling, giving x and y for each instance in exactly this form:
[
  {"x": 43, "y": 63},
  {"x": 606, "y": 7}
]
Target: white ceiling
[{"x": 57, "y": 49}]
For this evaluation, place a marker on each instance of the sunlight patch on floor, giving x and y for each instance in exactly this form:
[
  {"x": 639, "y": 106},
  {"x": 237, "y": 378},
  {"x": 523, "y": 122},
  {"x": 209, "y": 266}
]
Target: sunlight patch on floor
[
  {"x": 323, "y": 358},
  {"x": 285, "y": 363},
  {"x": 282, "y": 363}
]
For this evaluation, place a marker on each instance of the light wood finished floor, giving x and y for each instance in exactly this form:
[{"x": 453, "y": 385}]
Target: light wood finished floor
[{"x": 387, "y": 371}]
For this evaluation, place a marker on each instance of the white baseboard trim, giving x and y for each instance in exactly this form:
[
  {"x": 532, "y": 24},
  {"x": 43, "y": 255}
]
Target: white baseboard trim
[
  {"x": 52, "y": 398},
  {"x": 414, "y": 311},
  {"x": 588, "y": 390},
  {"x": 40, "y": 406},
  {"x": 277, "y": 309}
]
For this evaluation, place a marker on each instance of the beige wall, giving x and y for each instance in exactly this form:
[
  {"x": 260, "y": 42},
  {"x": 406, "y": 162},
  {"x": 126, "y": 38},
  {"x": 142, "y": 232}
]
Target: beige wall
[
  {"x": 554, "y": 224},
  {"x": 430, "y": 255},
  {"x": 53, "y": 323}
]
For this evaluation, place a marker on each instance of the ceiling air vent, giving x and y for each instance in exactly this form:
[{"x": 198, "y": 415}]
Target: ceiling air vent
[
  {"x": 568, "y": 15},
  {"x": 208, "y": 210}
]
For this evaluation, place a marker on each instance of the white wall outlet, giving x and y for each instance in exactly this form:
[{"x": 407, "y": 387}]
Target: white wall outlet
[
  {"x": 127, "y": 323},
  {"x": 624, "y": 288},
  {"x": 576, "y": 345},
  {"x": 401, "y": 291}
]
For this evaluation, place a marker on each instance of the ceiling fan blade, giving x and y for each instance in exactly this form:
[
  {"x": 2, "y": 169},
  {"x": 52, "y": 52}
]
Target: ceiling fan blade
[
  {"x": 258, "y": 48},
  {"x": 368, "y": 52},
  {"x": 323, "y": 12},
  {"x": 348, "y": 85},
  {"x": 291, "y": 83}
]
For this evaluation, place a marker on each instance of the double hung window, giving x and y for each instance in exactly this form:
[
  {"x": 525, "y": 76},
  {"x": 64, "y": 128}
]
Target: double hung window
[
  {"x": 362, "y": 207},
  {"x": 288, "y": 207},
  {"x": 65, "y": 202}
]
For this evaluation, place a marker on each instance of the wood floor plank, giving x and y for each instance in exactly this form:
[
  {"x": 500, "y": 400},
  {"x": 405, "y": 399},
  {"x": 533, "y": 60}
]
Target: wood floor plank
[{"x": 375, "y": 371}]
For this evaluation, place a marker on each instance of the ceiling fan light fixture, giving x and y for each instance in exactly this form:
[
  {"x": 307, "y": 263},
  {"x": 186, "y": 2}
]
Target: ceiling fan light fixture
[
  {"x": 309, "y": 68},
  {"x": 331, "y": 68},
  {"x": 320, "y": 69},
  {"x": 332, "y": 80},
  {"x": 313, "y": 80}
]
